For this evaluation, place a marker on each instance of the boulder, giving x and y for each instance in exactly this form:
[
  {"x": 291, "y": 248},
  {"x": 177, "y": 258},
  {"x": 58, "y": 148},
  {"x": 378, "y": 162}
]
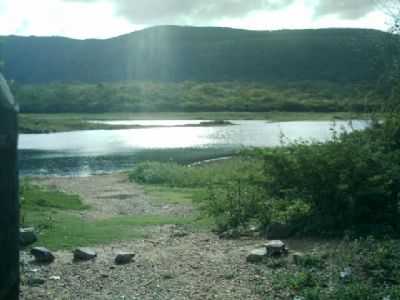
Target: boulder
[
  {"x": 84, "y": 254},
  {"x": 275, "y": 248},
  {"x": 42, "y": 255},
  {"x": 27, "y": 236},
  {"x": 256, "y": 255},
  {"x": 123, "y": 258}
]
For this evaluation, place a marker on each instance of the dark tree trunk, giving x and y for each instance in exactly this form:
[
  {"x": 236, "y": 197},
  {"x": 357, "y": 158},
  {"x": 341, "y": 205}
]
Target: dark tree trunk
[{"x": 9, "y": 203}]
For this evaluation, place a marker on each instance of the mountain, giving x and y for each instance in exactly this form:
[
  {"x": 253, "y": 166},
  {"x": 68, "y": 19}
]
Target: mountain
[{"x": 172, "y": 53}]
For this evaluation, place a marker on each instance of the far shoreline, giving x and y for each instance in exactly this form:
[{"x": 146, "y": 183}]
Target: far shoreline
[{"x": 52, "y": 123}]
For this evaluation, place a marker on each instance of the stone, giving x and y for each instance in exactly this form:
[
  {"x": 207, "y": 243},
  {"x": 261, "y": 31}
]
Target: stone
[
  {"x": 275, "y": 248},
  {"x": 256, "y": 255},
  {"x": 42, "y": 255},
  {"x": 253, "y": 231},
  {"x": 278, "y": 231},
  {"x": 230, "y": 234},
  {"x": 84, "y": 254},
  {"x": 179, "y": 234},
  {"x": 27, "y": 236},
  {"x": 123, "y": 258},
  {"x": 36, "y": 281},
  {"x": 167, "y": 276},
  {"x": 346, "y": 273},
  {"x": 298, "y": 258}
]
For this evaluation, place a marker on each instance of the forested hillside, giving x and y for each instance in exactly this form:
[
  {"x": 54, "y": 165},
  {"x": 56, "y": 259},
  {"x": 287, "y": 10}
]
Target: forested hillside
[
  {"x": 190, "y": 96},
  {"x": 171, "y": 53}
]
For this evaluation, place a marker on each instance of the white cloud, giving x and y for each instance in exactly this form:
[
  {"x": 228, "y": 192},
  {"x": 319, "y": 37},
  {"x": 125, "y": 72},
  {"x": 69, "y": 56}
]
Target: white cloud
[
  {"x": 300, "y": 16},
  {"x": 107, "y": 18},
  {"x": 55, "y": 17},
  {"x": 152, "y": 12}
]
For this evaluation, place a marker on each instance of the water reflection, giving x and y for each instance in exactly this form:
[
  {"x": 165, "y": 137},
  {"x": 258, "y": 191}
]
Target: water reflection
[{"x": 87, "y": 152}]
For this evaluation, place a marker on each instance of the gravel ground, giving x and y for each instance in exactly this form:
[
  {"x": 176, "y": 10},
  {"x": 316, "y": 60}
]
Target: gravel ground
[
  {"x": 193, "y": 265},
  {"x": 196, "y": 266},
  {"x": 110, "y": 195}
]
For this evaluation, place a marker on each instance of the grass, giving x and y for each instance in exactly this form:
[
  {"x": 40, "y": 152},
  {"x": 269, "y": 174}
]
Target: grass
[
  {"x": 174, "y": 175},
  {"x": 59, "y": 219},
  {"x": 171, "y": 195},
  {"x": 34, "y": 197},
  {"x": 42, "y": 123},
  {"x": 64, "y": 230},
  {"x": 372, "y": 273}
]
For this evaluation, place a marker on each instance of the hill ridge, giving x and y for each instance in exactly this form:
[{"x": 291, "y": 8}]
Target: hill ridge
[{"x": 180, "y": 53}]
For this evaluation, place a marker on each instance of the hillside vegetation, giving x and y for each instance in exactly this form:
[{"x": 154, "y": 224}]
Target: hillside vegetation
[
  {"x": 172, "y": 53},
  {"x": 137, "y": 96},
  {"x": 192, "y": 69}
]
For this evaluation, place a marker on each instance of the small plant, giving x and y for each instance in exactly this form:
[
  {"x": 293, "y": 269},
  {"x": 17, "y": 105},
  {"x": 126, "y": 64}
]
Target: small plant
[{"x": 373, "y": 273}]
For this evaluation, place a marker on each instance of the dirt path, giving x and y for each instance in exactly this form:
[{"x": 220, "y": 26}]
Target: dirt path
[
  {"x": 111, "y": 195},
  {"x": 195, "y": 265}
]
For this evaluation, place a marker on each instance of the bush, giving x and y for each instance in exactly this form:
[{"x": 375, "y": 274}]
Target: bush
[
  {"x": 349, "y": 183},
  {"x": 234, "y": 203},
  {"x": 232, "y": 192}
]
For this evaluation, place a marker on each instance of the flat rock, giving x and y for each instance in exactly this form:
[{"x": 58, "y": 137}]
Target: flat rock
[
  {"x": 276, "y": 247},
  {"x": 84, "y": 254},
  {"x": 256, "y": 255},
  {"x": 27, "y": 236},
  {"x": 42, "y": 255},
  {"x": 123, "y": 258}
]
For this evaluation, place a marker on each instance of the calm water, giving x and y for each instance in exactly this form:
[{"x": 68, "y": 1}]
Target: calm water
[{"x": 90, "y": 152}]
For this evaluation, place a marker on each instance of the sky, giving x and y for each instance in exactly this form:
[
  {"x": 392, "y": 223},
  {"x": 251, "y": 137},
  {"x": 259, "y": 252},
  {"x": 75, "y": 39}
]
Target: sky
[{"x": 83, "y": 19}]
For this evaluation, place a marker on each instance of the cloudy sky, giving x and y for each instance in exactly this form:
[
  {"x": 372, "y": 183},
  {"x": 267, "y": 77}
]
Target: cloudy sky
[{"x": 106, "y": 18}]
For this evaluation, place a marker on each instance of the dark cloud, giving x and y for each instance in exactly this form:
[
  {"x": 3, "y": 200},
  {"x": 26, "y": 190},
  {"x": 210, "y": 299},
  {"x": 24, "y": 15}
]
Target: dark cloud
[
  {"x": 179, "y": 11},
  {"x": 345, "y": 9}
]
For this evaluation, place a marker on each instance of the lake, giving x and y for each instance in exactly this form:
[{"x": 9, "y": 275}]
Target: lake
[{"x": 82, "y": 153}]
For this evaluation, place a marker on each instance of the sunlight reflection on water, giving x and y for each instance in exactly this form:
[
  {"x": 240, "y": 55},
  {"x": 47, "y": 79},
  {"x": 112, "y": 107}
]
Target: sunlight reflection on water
[{"x": 110, "y": 150}]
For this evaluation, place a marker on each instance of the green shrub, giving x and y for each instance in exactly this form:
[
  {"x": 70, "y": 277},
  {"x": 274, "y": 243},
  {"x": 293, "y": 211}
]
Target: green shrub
[
  {"x": 234, "y": 203},
  {"x": 350, "y": 183},
  {"x": 140, "y": 96},
  {"x": 231, "y": 190}
]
